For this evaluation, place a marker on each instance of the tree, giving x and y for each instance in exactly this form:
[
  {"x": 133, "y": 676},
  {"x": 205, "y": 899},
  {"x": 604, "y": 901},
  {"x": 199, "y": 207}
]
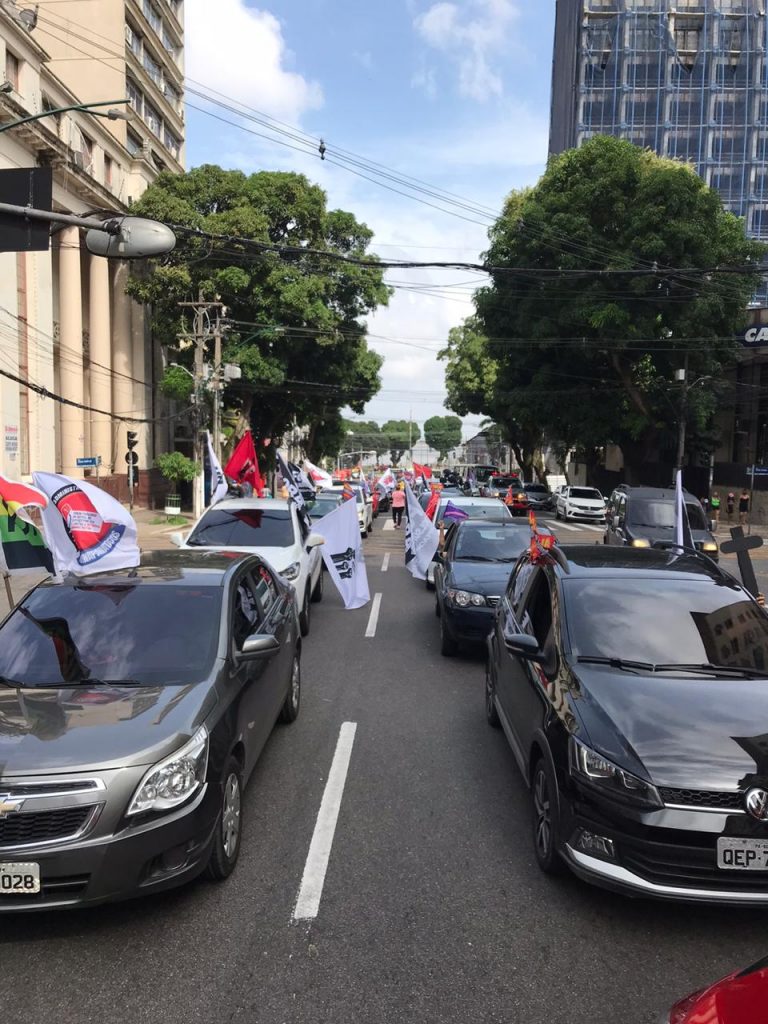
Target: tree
[
  {"x": 442, "y": 433},
  {"x": 364, "y": 437},
  {"x": 298, "y": 331},
  {"x": 401, "y": 436},
  {"x": 176, "y": 468},
  {"x": 590, "y": 359}
]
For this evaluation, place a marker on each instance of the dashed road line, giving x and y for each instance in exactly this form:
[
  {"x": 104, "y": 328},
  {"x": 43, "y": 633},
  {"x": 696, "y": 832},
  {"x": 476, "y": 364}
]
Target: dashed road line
[
  {"x": 316, "y": 866},
  {"x": 389, "y": 525},
  {"x": 385, "y": 563},
  {"x": 373, "y": 621}
]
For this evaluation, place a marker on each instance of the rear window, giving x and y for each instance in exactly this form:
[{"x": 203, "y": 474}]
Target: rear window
[
  {"x": 64, "y": 635},
  {"x": 505, "y": 481},
  {"x": 490, "y": 544},
  {"x": 536, "y": 489},
  {"x": 244, "y": 527},
  {"x": 660, "y": 513},
  {"x": 494, "y": 509}
]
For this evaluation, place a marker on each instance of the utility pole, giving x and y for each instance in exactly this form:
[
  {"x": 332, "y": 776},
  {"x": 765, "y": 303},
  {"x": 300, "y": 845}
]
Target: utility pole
[
  {"x": 682, "y": 376},
  {"x": 216, "y": 384}
]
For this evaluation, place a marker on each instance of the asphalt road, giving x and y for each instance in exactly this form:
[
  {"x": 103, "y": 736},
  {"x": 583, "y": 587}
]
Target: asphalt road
[{"x": 433, "y": 909}]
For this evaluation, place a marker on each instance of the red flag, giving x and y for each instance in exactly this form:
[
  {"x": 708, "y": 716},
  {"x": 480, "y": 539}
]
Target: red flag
[
  {"x": 422, "y": 470},
  {"x": 432, "y": 504},
  {"x": 243, "y": 466}
]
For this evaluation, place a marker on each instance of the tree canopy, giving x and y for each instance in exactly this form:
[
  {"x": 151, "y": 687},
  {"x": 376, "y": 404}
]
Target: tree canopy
[
  {"x": 590, "y": 359},
  {"x": 297, "y": 327},
  {"x": 401, "y": 435},
  {"x": 442, "y": 433}
]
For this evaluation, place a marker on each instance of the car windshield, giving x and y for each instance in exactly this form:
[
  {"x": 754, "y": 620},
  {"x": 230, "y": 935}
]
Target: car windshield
[
  {"x": 505, "y": 481},
  {"x": 491, "y": 509},
  {"x": 88, "y": 633},
  {"x": 660, "y": 513},
  {"x": 536, "y": 489},
  {"x": 244, "y": 528},
  {"x": 483, "y": 473},
  {"x": 322, "y": 506},
  {"x": 703, "y": 622},
  {"x": 476, "y": 543},
  {"x": 585, "y": 492}
]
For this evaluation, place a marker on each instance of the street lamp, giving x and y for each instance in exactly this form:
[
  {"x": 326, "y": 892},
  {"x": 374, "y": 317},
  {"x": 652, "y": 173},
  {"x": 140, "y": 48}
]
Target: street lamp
[{"x": 112, "y": 114}]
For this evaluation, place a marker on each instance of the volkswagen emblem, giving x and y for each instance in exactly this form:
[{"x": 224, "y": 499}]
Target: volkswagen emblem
[
  {"x": 757, "y": 804},
  {"x": 8, "y": 805}
]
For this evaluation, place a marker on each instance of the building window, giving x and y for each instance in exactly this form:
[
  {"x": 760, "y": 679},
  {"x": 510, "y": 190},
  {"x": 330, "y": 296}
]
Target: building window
[
  {"x": 168, "y": 43},
  {"x": 759, "y": 225},
  {"x": 153, "y": 69},
  {"x": 108, "y": 171},
  {"x": 684, "y": 145},
  {"x": 133, "y": 41},
  {"x": 135, "y": 98},
  {"x": 172, "y": 144},
  {"x": 729, "y": 146},
  {"x": 152, "y": 120},
  {"x": 12, "y": 65},
  {"x": 644, "y": 73},
  {"x": 87, "y": 150},
  {"x": 172, "y": 95},
  {"x": 133, "y": 143},
  {"x": 600, "y": 40},
  {"x": 728, "y": 182},
  {"x": 152, "y": 15}
]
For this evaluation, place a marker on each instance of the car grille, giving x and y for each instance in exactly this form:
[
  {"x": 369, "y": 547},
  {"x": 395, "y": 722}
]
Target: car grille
[
  {"x": 703, "y": 798},
  {"x": 686, "y": 866},
  {"x": 48, "y": 788},
  {"x": 43, "y": 826}
]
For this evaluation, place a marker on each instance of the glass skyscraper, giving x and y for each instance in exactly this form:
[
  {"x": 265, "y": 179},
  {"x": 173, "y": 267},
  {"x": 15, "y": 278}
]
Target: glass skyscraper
[{"x": 686, "y": 78}]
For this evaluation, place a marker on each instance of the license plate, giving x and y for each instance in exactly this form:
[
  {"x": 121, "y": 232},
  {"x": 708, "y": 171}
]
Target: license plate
[
  {"x": 742, "y": 854},
  {"x": 19, "y": 879}
]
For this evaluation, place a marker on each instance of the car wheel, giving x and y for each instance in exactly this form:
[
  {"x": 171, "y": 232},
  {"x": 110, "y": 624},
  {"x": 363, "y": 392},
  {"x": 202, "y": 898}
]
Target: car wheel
[
  {"x": 448, "y": 645},
  {"x": 304, "y": 614},
  {"x": 229, "y": 829},
  {"x": 317, "y": 593},
  {"x": 491, "y": 714},
  {"x": 546, "y": 820},
  {"x": 289, "y": 712},
  {"x": 557, "y": 514}
]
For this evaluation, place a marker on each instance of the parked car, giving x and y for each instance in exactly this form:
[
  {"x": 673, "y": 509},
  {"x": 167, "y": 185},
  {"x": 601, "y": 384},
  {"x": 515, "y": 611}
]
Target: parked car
[
  {"x": 135, "y": 708},
  {"x": 471, "y": 574},
  {"x": 740, "y": 998},
  {"x": 271, "y": 528},
  {"x": 539, "y": 497},
  {"x": 645, "y": 516},
  {"x": 364, "y": 506},
  {"x": 632, "y": 686},
  {"x": 580, "y": 503}
]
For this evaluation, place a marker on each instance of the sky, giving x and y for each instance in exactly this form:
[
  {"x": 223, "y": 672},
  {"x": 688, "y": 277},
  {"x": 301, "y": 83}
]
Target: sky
[{"x": 454, "y": 94}]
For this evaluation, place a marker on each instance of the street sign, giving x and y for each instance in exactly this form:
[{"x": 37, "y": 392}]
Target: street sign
[
  {"x": 757, "y": 470},
  {"x": 132, "y": 458},
  {"x": 89, "y": 460}
]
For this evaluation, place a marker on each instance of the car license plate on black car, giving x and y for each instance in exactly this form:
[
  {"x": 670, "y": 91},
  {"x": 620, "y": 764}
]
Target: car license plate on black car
[
  {"x": 19, "y": 879},
  {"x": 742, "y": 854}
]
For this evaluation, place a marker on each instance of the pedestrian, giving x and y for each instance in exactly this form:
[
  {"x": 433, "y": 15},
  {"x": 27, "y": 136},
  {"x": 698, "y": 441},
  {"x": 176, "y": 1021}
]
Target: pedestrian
[
  {"x": 743, "y": 506},
  {"x": 398, "y": 504},
  {"x": 714, "y": 504},
  {"x": 730, "y": 505}
]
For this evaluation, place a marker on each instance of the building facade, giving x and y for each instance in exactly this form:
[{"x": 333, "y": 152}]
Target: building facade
[{"x": 66, "y": 323}]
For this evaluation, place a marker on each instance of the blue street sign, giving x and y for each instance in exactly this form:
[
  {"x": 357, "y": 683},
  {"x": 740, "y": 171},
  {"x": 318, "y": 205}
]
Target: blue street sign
[
  {"x": 90, "y": 460},
  {"x": 758, "y": 470}
]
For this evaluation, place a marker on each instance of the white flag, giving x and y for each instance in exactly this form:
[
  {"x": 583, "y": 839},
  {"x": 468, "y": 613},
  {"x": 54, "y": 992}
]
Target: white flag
[
  {"x": 387, "y": 480},
  {"x": 86, "y": 529},
  {"x": 421, "y": 537},
  {"x": 218, "y": 481},
  {"x": 343, "y": 553},
  {"x": 683, "y": 537},
  {"x": 318, "y": 476}
]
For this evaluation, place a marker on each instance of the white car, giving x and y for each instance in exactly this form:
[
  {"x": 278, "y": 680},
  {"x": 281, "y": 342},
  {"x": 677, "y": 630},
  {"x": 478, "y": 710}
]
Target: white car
[
  {"x": 364, "y": 506},
  {"x": 269, "y": 527},
  {"x": 580, "y": 503}
]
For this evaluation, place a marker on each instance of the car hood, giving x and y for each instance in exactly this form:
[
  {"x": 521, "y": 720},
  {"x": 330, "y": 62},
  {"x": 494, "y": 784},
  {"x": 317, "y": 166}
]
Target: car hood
[
  {"x": 278, "y": 558},
  {"x": 480, "y": 577},
  {"x": 84, "y": 728},
  {"x": 689, "y": 733}
]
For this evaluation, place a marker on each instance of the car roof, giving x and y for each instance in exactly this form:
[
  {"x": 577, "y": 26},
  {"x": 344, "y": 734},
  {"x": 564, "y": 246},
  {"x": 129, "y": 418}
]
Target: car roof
[
  {"x": 585, "y": 561},
  {"x": 658, "y": 493},
  {"x": 267, "y": 504},
  {"x": 204, "y": 568}
]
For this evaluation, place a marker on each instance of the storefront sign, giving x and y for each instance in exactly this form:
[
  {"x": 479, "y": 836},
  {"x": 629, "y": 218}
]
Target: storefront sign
[
  {"x": 11, "y": 441},
  {"x": 755, "y": 337}
]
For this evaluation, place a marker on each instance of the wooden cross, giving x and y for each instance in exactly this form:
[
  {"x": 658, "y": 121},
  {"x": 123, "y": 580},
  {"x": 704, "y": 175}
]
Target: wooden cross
[{"x": 741, "y": 546}]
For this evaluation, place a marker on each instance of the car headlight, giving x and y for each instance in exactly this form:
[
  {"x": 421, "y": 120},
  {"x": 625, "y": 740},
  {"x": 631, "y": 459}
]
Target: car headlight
[
  {"x": 463, "y": 598},
  {"x": 174, "y": 780},
  {"x": 709, "y": 546},
  {"x": 598, "y": 772},
  {"x": 640, "y": 542},
  {"x": 292, "y": 572}
]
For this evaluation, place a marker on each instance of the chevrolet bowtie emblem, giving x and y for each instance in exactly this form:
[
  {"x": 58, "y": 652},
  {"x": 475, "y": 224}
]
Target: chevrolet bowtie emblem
[{"x": 9, "y": 806}]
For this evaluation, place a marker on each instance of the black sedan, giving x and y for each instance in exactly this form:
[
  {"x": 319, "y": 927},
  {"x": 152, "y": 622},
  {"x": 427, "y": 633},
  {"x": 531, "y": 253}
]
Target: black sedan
[
  {"x": 470, "y": 575},
  {"x": 539, "y": 497},
  {"x": 632, "y": 686},
  {"x": 133, "y": 708}
]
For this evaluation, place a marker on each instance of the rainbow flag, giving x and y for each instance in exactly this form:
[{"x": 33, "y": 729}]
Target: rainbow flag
[{"x": 21, "y": 544}]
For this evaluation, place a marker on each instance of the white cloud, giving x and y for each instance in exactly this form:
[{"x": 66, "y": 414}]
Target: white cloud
[
  {"x": 426, "y": 79},
  {"x": 470, "y": 36},
  {"x": 241, "y": 52}
]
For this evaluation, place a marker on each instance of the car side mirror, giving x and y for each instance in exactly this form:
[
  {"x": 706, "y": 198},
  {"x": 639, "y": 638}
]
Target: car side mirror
[
  {"x": 314, "y": 540},
  {"x": 259, "y": 645},
  {"x": 524, "y": 646},
  {"x": 177, "y": 538}
]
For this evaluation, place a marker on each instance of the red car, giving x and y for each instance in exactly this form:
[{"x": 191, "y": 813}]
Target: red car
[{"x": 741, "y": 998}]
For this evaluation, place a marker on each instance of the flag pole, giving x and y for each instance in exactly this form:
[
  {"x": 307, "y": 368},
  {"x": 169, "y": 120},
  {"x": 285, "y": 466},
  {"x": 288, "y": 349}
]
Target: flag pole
[{"x": 8, "y": 591}]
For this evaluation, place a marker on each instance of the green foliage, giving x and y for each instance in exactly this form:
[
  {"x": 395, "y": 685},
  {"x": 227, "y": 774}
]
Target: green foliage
[
  {"x": 296, "y": 320},
  {"x": 176, "y": 384},
  {"x": 365, "y": 436},
  {"x": 590, "y": 360},
  {"x": 442, "y": 433},
  {"x": 400, "y": 437},
  {"x": 177, "y": 467}
]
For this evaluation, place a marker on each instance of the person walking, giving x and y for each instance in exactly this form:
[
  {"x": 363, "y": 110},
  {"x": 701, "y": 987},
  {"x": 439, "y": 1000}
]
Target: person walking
[
  {"x": 398, "y": 504},
  {"x": 730, "y": 505},
  {"x": 743, "y": 506},
  {"x": 714, "y": 504}
]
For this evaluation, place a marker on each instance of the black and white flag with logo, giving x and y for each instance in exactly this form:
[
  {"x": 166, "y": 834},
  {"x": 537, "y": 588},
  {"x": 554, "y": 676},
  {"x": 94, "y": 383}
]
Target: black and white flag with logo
[
  {"x": 343, "y": 553},
  {"x": 421, "y": 537},
  {"x": 290, "y": 482}
]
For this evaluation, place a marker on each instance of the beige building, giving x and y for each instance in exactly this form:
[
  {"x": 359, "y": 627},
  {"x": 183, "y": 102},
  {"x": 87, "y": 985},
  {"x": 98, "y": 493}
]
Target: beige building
[{"x": 66, "y": 324}]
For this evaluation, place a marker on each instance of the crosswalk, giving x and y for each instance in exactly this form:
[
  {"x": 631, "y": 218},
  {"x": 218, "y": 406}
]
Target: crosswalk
[{"x": 556, "y": 526}]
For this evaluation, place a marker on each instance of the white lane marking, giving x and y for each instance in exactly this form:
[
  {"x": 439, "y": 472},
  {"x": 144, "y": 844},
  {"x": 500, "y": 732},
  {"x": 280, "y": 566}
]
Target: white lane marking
[
  {"x": 389, "y": 525},
  {"x": 373, "y": 621},
  {"x": 313, "y": 879},
  {"x": 385, "y": 563},
  {"x": 566, "y": 526},
  {"x": 594, "y": 529}
]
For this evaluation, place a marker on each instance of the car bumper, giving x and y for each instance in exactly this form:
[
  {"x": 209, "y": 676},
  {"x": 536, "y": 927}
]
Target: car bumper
[
  {"x": 471, "y": 625},
  {"x": 139, "y": 860},
  {"x": 594, "y": 517}
]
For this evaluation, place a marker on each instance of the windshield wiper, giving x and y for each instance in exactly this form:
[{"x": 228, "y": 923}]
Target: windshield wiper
[
  {"x": 710, "y": 669},
  {"x": 620, "y": 663},
  {"x": 474, "y": 558}
]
